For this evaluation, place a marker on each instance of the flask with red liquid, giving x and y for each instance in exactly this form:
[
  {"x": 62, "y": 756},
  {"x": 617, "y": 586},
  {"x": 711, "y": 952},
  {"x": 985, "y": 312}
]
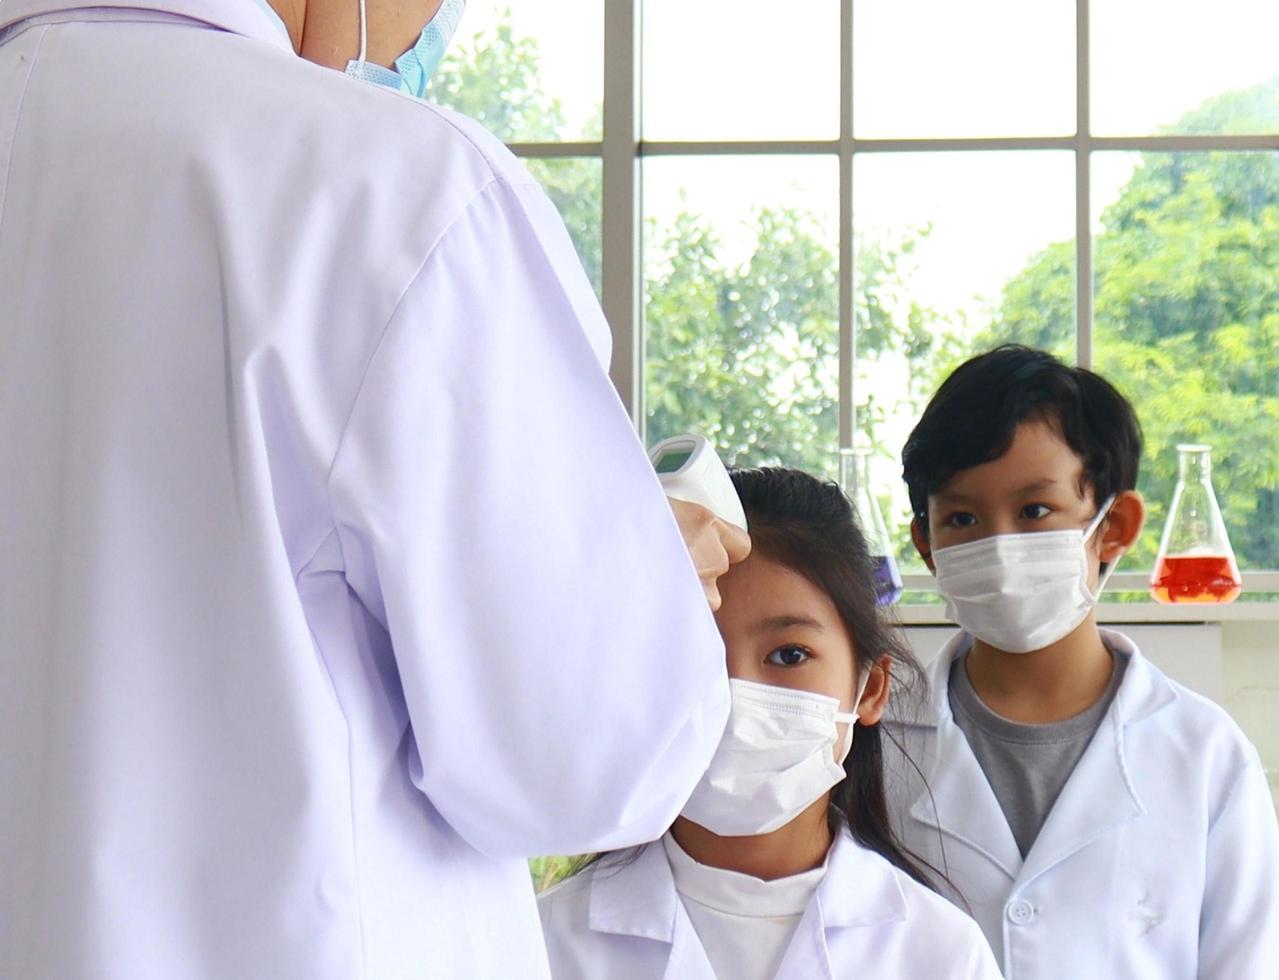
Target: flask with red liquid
[
  {"x": 854, "y": 478},
  {"x": 1195, "y": 562}
]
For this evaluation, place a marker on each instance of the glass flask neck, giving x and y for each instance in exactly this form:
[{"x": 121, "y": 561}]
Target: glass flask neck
[
  {"x": 1194, "y": 464},
  {"x": 854, "y": 470},
  {"x": 854, "y": 480}
]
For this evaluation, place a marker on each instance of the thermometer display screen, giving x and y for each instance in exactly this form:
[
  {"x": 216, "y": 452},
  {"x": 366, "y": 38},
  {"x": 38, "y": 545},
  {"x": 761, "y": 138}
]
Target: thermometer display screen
[{"x": 670, "y": 462}]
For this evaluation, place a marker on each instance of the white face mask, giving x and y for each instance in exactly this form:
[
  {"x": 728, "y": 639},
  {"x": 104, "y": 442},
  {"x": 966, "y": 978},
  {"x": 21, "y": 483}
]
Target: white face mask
[
  {"x": 776, "y": 757},
  {"x": 1020, "y": 592}
]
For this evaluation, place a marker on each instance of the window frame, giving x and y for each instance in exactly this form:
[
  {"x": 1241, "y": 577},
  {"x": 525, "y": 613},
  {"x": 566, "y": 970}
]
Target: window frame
[{"x": 623, "y": 149}]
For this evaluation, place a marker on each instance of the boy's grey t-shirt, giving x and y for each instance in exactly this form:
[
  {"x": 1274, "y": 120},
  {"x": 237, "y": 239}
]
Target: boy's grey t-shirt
[{"x": 1026, "y": 765}]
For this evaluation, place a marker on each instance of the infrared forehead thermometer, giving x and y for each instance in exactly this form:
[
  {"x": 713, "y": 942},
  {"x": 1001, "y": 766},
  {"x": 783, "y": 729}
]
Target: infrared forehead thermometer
[{"x": 690, "y": 471}]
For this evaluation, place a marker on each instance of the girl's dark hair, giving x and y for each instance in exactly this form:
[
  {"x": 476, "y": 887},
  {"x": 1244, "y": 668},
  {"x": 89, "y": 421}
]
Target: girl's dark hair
[
  {"x": 974, "y": 416},
  {"x": 808, "y": 526}
]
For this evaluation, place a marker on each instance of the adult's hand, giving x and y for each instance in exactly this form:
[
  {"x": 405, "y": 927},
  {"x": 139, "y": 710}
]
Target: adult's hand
[{"x": 714, "y": 545}]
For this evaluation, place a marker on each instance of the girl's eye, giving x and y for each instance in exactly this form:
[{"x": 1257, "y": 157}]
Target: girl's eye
[
  {"x": 1034, "y": 512},
  {"x": 960, "y": 519},
  {"x": 789, "y": 656}
]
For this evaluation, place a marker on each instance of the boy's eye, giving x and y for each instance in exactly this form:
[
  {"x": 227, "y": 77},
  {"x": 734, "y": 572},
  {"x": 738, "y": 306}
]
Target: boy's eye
[
  {"x": 787, "y": 656},
  {"x": 960, "y": 518},
  {"x": 1034, "y": 512}
]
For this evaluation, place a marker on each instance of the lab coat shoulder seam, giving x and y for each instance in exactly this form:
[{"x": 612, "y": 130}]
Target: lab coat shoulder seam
[
  {"x": 1236, "y": 785},
  {"x": 499, "y": 174},
  {"x": 431, "y": 251},
  {"x": 17, "y": 121}
]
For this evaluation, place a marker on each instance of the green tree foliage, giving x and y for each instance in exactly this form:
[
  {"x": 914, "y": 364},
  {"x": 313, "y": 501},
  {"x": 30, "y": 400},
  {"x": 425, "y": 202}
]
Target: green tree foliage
[
  {"x": 1186, "y": 302},
  {"x": 747, "y": 355}
]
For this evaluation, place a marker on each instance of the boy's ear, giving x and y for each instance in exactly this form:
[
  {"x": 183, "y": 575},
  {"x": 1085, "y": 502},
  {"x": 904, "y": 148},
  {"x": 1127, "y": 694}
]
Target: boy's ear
[
  {"x": 920, "y": 537},
  {"x": 1122, "y": 526}
]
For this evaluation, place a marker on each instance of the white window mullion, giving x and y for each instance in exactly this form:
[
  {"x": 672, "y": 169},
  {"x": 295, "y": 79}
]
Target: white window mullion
[
  {"x": 1083, "y": 192},
  {"x": 620, "y": 230},
  {"x": 847, "y": 305}
]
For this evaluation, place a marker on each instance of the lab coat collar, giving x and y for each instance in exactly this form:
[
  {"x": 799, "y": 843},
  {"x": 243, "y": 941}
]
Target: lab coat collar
[
  {"x": 636, "y": 899},
  {"x": 1100, "y": 794},
  {"x": 1098, "y": 797},
  {"x": 956, "y": 785},
  {"x": 1143, "y": 692},
  {"x": 859, "y": 888},
  {"x": 639, "y": 899},
  {"x": 244, "y": 17}
]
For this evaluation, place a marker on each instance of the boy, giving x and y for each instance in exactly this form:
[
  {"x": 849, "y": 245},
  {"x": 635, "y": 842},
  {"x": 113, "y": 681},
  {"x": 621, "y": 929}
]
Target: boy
[{"x": 1096, "y": 818}]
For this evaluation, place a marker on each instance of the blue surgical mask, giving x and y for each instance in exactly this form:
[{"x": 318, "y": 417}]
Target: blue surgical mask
[{"x": 414, "y": 68}]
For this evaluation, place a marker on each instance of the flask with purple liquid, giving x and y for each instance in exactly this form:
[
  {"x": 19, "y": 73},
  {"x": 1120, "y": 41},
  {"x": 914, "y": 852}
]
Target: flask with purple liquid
[{"x": 854, "y": 478}]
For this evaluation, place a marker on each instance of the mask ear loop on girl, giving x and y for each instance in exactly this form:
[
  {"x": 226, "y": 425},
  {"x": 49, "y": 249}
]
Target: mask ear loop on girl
[{"x": 849, "y": 718}]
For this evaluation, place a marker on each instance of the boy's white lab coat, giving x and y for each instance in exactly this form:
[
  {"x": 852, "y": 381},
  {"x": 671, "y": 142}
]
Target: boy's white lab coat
[
  {"x": 1159, "y": 861},
  {"x": 334, "y": 582},
  {"x": 866, "y": 918}
]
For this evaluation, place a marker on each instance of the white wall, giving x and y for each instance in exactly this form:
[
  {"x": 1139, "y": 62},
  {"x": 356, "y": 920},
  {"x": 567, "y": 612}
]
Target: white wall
[{"x": 1251, "y": 687}]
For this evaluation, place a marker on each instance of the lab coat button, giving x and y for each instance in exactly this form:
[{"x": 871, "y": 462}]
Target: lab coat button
[{"x": 1020, "y": 912}]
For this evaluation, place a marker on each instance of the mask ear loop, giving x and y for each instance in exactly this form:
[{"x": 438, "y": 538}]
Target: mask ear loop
[
  {"x": 849, "y": 718},
  {"x": 364, "y": 33},
  {"x": 1092, "y": 529}
]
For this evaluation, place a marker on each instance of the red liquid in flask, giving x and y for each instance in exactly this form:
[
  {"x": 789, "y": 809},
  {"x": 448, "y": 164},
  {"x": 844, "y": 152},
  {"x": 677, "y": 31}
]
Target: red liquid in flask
[{"x": 1197, "y": 578}]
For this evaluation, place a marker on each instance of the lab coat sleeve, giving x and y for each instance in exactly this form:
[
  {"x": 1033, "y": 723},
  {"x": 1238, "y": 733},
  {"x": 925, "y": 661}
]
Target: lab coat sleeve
[
  {"x": 564, "y": 680},
  {"x": 980, "y": 963},
  {"x": 1239, "y": 923}
]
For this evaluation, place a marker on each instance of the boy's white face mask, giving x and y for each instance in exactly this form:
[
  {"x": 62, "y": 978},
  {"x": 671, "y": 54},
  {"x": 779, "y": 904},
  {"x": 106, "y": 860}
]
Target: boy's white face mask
[
  {"x": 776, "y": 757},
  {"x": 1020, "y": 592}
]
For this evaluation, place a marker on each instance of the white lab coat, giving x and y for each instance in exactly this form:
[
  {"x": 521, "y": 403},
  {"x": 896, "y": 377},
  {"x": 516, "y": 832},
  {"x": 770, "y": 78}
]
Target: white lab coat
[
  {"x": 334, "y": 582},
  {"x": 1159, "y": 861},
  {"x": 866, "y": 918}
]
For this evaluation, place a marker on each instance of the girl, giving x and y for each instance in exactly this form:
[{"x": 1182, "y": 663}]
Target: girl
[{"x": 782, "y": 864}]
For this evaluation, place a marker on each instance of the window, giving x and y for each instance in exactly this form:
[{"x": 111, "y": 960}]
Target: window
[{"x": 801, "y": 217}]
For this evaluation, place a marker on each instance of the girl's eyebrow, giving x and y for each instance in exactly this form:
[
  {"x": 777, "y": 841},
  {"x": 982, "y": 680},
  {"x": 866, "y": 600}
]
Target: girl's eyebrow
[{"x": 774, "y": 624}]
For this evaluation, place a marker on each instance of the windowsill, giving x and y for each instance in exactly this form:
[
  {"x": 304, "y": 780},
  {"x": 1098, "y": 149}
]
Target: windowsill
[{"x": 1125, "y": 612}]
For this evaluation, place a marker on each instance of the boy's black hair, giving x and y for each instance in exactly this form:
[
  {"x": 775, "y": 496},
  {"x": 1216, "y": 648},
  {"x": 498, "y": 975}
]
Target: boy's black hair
[{"x": 975, "y": 414}]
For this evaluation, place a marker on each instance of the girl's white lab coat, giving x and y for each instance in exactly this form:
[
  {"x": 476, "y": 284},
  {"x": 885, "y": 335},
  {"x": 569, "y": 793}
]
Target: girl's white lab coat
[
  {"x": 1159, "y": 861},
  {"x": 865, "y": 919},
  {"x": 333, "y": 580}
]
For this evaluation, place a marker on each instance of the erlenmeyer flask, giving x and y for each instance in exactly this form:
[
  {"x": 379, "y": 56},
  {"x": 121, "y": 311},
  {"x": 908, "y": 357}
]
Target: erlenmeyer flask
[
  {"x": 854, "y": 478},
  {"x": 1195, "y": 562}
]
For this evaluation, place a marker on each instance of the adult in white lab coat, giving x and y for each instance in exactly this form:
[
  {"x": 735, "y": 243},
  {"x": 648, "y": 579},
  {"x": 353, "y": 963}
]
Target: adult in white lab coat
[
  {"x": 1167, "y": 771},
  {"x": 333, "y": 580}
]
